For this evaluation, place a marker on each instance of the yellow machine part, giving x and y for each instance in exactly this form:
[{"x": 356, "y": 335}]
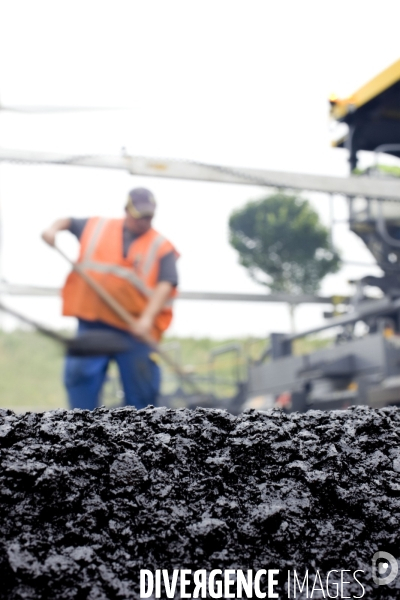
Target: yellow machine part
[{"x": 341, "y": 107}]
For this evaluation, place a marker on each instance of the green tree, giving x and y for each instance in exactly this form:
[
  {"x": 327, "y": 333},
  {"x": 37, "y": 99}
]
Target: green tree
[{"x": 282, "y": 243}]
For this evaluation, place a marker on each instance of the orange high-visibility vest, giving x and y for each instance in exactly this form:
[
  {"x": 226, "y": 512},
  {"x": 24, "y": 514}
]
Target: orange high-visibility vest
[{"x": 129, "y": 280}]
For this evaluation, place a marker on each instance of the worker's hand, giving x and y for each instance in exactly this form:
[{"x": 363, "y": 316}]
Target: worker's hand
[
  {"x": 49, "y": 236},
  {"x": 143, "y": 327}
]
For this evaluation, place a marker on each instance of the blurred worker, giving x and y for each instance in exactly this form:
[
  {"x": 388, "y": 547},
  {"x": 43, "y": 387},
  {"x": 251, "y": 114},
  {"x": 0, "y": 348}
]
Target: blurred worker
[{"x": 137, "y": 266}]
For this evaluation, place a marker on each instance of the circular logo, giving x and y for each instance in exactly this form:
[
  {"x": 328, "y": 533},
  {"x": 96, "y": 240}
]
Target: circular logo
[{"x": 383, "y": 567}]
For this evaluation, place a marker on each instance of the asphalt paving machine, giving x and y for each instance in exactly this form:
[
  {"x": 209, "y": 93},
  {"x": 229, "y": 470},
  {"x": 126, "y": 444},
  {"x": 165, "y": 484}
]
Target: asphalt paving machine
[{"x": 357, "y": 369}]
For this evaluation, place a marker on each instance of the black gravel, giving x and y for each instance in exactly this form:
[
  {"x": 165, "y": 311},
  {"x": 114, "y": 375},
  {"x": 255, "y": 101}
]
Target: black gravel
[{"x": 90, "y": 498}]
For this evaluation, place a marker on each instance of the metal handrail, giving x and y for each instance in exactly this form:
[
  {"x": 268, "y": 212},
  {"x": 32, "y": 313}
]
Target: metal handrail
[
  {"x": 382, "y": 229},
  {"x": 384, "y": 148},
  {"x": 218, "y": 352}
]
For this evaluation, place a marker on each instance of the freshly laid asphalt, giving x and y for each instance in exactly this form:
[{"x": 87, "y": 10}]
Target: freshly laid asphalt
[{"x": 87, "y": 499}]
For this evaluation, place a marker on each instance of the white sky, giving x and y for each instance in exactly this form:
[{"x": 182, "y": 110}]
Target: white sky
[{"x": 241, "y": 83}]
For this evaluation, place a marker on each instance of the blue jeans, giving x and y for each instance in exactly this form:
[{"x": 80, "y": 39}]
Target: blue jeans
[{"x": 84, "y": 375}]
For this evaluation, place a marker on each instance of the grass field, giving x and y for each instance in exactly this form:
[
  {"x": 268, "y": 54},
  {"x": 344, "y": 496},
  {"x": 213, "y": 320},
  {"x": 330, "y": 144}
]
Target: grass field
[{"x": 31, "y": 368}]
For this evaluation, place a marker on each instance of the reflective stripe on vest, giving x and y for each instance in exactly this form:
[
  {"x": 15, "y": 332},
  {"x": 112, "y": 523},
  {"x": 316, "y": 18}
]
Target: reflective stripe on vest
[
  {"x": 123, "y": 273},
  {"x": 152, "y": 253},
  {"x": 94, "y": 239}
]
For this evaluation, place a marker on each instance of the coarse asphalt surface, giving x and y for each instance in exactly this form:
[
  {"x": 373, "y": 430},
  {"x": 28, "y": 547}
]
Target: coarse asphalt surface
[{"x": 87, "y": 499}]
